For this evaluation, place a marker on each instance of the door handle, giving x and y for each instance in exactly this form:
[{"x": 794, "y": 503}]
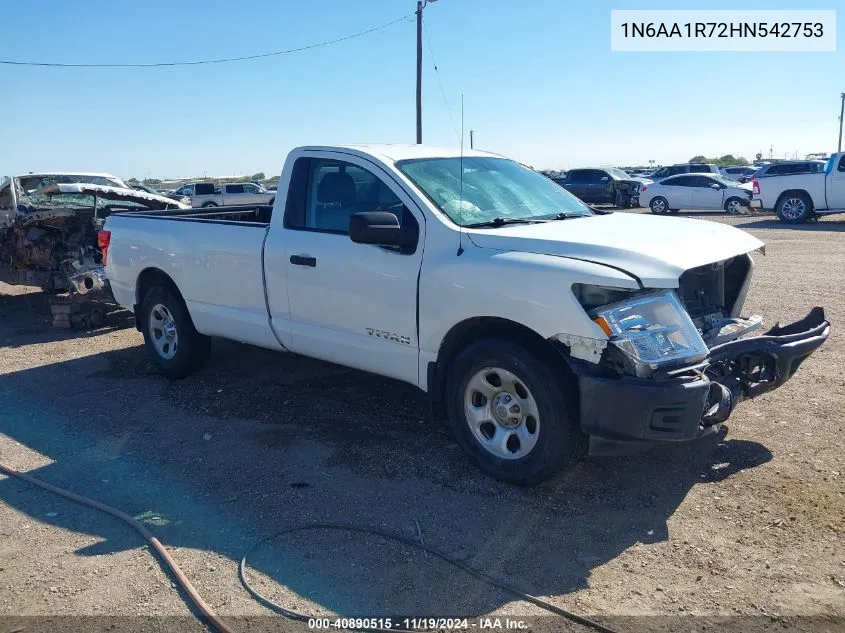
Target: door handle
[{"x": 302, "y": 260}]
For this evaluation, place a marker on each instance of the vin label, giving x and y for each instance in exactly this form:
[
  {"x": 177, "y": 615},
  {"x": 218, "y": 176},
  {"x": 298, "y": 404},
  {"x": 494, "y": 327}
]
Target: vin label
[{"x": 728, "y": 30}]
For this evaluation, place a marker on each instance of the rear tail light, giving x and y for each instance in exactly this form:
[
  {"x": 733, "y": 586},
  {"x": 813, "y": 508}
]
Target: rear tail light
[
  {"x": 755, "y": 186},
  {"x": 643, "y": 187},
  {"x": 103, "y": 241}
]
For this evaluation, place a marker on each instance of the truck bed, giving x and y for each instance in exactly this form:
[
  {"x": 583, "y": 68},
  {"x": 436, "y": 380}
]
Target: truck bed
[{"x": 202, "y": 251}]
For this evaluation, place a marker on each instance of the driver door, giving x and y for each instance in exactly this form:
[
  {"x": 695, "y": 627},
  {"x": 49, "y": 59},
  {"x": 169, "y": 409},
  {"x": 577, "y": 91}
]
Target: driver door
[
  {"x": 705, "y": 195},
  {"x": 352, "y": 304}
]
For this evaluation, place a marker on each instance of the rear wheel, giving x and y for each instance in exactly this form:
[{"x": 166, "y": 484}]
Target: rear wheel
[
  {"x": 794, "y": 208},
  {"x": 659, "y": 205},
  {"x": 209, "y": 204},
  {"x": 512, "y": 413},
  {"x": 171, "y": 339}
]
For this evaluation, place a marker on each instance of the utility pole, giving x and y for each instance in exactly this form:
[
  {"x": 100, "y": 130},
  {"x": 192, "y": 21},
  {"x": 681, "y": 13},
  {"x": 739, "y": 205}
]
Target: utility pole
[
  {"x": 421, "y": 4},
  {"x": 419, "y": 71},
  {"x": 841, "y": 113}
]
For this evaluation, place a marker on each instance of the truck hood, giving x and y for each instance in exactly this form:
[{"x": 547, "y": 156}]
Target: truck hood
[{"x": 655, "y": 250}]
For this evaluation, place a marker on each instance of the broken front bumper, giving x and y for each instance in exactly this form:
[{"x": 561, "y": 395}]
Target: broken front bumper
[{"x": 620, "y": 413}]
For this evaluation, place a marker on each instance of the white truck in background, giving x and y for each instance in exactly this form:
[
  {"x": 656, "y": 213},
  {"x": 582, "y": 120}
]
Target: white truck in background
[
  {"x": 536, "y": 325},
  {"x": 801, "y": 197},
  {"x": 207, "y": 194}
]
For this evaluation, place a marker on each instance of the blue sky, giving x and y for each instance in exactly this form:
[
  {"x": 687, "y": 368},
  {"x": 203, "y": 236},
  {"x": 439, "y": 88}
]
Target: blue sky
[{"x": 539, "y": 81}]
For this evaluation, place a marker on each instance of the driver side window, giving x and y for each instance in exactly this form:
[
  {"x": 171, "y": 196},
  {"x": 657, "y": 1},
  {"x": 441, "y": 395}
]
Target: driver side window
[{"x": 337, "y": 189}]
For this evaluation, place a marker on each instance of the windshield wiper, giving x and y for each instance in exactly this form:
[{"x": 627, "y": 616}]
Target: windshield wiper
[
  {"x": 497, "y": 222},
  {"x": 566, "y": 215}
]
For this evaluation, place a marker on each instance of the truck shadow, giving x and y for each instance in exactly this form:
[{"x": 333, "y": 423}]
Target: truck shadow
[
  {"x": 822, "y": 225},
  {"x": 261, "y": 441}
]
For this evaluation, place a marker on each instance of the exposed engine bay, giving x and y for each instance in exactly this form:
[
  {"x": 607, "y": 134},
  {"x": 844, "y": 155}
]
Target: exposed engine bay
[
  {"x": 48, "y": 229},
  {"x": 713, "y": 296}
]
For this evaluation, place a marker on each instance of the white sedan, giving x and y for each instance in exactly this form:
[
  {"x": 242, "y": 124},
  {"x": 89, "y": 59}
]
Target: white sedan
[{"x": 696, "y": 191}]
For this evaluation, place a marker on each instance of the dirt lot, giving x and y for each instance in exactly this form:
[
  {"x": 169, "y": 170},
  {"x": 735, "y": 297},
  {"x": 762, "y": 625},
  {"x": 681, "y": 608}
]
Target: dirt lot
[{"x": 748, "y": 523}]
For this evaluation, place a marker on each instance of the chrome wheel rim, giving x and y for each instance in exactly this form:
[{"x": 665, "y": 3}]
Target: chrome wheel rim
[
  {"x": 658, "y": 206},
  {"x": 163, "y": 331},
  {"x": 793, "y": 208},
  {"x": 501, "y": 413}
]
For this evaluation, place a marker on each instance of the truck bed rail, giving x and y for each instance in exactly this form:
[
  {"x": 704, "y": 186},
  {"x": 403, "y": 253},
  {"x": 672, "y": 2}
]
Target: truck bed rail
[{"x": 258, "y": 214}]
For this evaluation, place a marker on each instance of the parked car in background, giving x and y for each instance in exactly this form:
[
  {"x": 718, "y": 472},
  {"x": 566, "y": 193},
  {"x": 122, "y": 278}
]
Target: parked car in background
[
  {"x": 696, "y": 191},
  {"x": 604, "y": 186},
  {"x": 740, "y": 173},
  {"x": 553, "y": 328},
  {"x": 684, "y": 168},
  {"x": 800, "y": 197},
  {"x": 207, "y": 194},
  {"x": 789, "y": 168}
]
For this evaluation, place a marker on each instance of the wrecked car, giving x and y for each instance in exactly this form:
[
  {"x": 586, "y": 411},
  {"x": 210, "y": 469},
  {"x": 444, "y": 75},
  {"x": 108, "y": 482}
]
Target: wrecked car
[{"x": 49, "y": 223}]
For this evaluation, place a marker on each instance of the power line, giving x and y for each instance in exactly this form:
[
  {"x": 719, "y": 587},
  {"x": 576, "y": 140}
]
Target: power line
[
  {"x": 440, "y": 83},
  {"x": 210, "y": 61}
]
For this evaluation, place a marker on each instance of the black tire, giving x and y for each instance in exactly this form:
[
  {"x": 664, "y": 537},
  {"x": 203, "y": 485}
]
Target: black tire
[
  {"x": 559, "y": 442},
  {"x": 729, "y": 203},
  {"x": 192, "y": 348},
  {"x": 659, "y": 205},
  {"x": 272, "y": 201},
  {"x": 795, "y": 208},
  {"x": 622, "y": 200},
  {"x": 205, "y": 205}
]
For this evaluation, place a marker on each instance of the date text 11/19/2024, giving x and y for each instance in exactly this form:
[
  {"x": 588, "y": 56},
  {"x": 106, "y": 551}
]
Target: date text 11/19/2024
[{"x": 420, "y": 624}]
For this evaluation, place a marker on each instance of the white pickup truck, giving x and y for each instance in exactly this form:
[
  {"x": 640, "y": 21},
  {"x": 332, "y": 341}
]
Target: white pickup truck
[
  {"x": 537, "y": 325},
  {"x": 207, "y": 194},
  {"x": 801, "y": 197}
]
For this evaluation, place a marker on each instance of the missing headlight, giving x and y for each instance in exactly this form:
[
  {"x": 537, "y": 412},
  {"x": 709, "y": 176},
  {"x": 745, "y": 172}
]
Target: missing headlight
[{"x": 591, "y": 297}]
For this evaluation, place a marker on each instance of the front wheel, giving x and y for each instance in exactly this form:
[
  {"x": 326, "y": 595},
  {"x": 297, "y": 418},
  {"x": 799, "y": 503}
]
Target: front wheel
[
  {"x": 622, "y": 201},
  {"x": 734, "y": 206},
  {"x": 207, "y": 205},
  {"x": 659, "y": 206},
  {"x": 512, "y": 413},
  {"x": 171, "y": 339},
  {"x": 794, "y": 208}
]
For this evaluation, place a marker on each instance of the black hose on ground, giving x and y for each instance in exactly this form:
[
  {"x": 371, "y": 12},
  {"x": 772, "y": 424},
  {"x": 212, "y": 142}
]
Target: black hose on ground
[
  {"x": 214, "y": 620},
  {"x": 301, "y": 617}
]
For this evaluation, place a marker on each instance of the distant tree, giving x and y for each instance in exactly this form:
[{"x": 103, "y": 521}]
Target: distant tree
[
  {"x": 698, "y": 159},
  {"x": 258, "y": 176},
  {"x": 150, "y": 181},
  {"x": 727, "y": 159},
  {"x": 133, "y": 181}
]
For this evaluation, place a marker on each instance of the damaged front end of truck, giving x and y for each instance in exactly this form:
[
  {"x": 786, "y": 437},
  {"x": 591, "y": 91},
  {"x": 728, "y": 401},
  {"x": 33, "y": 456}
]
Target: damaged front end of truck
[{"x": 677, "y": 362}]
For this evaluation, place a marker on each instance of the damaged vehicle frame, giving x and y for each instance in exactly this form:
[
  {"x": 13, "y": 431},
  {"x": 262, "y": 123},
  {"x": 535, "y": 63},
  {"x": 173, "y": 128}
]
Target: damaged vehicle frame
[{"x": 49, "y": 224}]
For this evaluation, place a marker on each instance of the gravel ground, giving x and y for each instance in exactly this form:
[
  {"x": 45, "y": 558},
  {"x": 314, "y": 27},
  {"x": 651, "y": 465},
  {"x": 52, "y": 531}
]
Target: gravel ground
[{"x": 749, "y": 523}]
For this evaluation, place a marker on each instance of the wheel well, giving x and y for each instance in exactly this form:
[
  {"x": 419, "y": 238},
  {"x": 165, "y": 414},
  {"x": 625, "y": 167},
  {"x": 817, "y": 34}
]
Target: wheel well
[
  {"x": 148, "y": 278},
  {"x": 471, "y": 330},
  {"x": 793, "y": 192}
]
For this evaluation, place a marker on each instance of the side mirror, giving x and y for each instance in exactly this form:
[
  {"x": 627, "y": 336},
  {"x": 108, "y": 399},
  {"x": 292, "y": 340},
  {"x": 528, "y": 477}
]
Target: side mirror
[
  {"x": 604, "y": 179},
  {"x": 376, "y": 227},
  {"x": 715, "y": 185}
]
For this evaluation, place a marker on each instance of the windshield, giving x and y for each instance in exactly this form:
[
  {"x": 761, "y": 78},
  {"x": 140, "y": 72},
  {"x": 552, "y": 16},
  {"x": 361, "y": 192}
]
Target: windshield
[
  {"x": 618, "y": 173},
  {"x": 725, "y": 180},
  {"x": 492, "y": 188}
]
